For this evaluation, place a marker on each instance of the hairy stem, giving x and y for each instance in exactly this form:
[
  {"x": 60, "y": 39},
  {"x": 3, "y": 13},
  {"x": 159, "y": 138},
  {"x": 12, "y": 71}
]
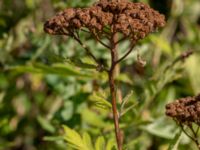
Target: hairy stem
[{"x": 111, "y": 75}]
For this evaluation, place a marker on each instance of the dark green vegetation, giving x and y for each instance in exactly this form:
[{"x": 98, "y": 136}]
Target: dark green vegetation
[{"x": 47, "y": 82}]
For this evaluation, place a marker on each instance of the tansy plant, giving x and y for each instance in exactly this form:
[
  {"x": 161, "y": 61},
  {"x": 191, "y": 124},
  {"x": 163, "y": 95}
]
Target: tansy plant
[{"x": 115, "y": 21}]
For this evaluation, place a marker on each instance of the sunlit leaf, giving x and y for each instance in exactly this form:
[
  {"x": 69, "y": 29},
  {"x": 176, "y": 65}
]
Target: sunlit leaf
[
  {"x": 74, "y": 139},
  {"x": 111, "y": 145},
  {"x": 100, "y": 101},
  {"x": 161, "y": 43},
  {"x": 87, "y": 140},
  {"x": 100, "y": 143}
]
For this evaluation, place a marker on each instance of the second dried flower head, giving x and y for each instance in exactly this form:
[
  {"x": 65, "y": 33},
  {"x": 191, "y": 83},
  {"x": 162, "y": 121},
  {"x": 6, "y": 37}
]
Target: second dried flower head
[{"x": 185, "y": 110}]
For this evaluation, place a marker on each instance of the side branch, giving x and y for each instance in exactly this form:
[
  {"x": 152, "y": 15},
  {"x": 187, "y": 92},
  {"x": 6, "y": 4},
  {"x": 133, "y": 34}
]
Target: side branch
[
  {"x": 96, "y": 37},
  {"x": 86, "y": 48},
  {"x": 100, "y": 66},
  {"x": 122, "y": 39},
  {"x": 126, "y": 54},
  {"x": 101, "y": 42}
]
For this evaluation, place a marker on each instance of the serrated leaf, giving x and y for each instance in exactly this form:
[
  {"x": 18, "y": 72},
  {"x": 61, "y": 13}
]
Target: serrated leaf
[
  {"x": 100, "y": 143},
  {"x": 100, "y": 101},
  {"x": 111, "y": 144},
  {"x": 73, "y": 139},
  {"x": 87, "y": 140}
]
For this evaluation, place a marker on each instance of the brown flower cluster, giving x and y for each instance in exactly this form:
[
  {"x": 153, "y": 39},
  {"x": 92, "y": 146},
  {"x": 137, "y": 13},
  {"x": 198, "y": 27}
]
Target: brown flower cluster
[
  {"x": 185, "y": 110},
  {"x": 134, "y": 20}
]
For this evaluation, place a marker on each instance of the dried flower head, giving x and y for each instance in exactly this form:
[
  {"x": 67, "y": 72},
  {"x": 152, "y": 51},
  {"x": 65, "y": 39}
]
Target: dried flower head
[
  {"x": 185, "y": 110},
  {"x": 133, "y": 20}
]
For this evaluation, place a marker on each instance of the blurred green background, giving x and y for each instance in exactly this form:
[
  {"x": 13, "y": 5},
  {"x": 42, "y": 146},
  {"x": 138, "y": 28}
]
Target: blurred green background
[{"x": 45, "y": 84}]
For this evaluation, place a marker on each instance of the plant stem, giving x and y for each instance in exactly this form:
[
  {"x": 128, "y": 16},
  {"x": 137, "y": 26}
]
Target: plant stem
[
  {"x": 114, "y": 109},
  {"x": 100, "y": 66},
  {"x": 111, "y": 75},
  {"x": 126, "y": 54},
  {"x": 195, "y": 139}
]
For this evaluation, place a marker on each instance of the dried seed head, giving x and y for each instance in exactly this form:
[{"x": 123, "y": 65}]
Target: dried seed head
[
  {"x": 185, "y": 110},
  {"x": 134, "y": 20}
]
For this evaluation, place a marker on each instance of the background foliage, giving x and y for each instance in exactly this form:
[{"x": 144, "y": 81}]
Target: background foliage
[{"x": 45, "y": 83}]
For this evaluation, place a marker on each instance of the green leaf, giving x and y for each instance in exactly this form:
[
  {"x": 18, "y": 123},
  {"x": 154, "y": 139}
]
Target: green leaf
[
  {"x": 191, "y": 66},
  {"x": 161, "y": 43},
  {"x": 124, "y": 110},
  {"x": 160, "y": 128},
  {"x": 111, "y": 144},
  {"x": 175, "y": 142},
  {"x": 59, "y": 69},
  {"x": 100, "y": 101},
  {"x": 100, "y": 143},
  {"x": 42, "y": 47},
  {"x": 87, "y": 140},
  {"x": 92, "y": 118},
  {"x": 74, "y": 140},
  {"x": 53, "y": 138},
  {"x": 30, "y": 4},
  {"x": 46, "y": 124},
  {"x": 24, "y": 69},
  {"x": 124, "y": 78},
  {"x": 81, "y": 64},
  {"x": 125, "y": 100},
  {"x": 53, "y": 58},
  {"x": 67, "y": 111}
]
